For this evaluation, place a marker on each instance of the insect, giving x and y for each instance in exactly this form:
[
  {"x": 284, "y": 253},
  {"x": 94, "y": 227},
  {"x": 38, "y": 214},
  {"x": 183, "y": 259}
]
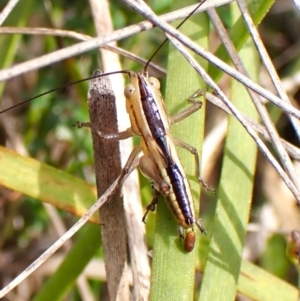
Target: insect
[
  {"x": 160, "y": 162},
  {"x": 164, "y": 168}
]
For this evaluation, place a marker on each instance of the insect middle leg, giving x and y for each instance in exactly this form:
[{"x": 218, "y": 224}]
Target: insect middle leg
[
  {"x": 182, "y": 115},
  {"x": 189, "y": 111},
  {"x": 194, "y": 152}
]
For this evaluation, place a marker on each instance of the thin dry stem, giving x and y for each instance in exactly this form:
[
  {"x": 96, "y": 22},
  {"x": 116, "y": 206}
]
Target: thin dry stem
[
  {"x": 97, "y": 42},
  {"x": 147, "y": 13},
  {"x": 116, "y": 265},
  {"x": 238, "y": 115},
  {"x": 291, "y": 149},
  {"x": 39, "y": 261},
  {"x": 7, "y": 10},
  {"x": 268, "y": 63},
  {"x": 81, "y": 37},
  {"x": 131, "y": 194},
  {"x": 264, "y": 115}
]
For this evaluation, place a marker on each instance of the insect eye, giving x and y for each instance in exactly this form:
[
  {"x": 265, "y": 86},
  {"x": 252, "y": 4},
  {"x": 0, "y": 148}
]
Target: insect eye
[
  {"x": 154, "y": 82},
  {"x": 128, "y": 91}
]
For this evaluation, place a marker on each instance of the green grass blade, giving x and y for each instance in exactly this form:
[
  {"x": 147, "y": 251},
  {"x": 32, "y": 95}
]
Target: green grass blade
[
  {"x": 173, "y": 269},
  {"x": 258, "y": 284},
  {"x": 234, "y": 196},
  {"x": 239, "y": 33},
  {"x": 46, "y": 183}
]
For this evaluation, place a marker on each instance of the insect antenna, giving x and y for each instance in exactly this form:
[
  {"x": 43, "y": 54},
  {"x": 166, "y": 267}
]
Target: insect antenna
[
  {"x": 166, "y": 40},
  {"x": 60, "y": 88},
  {"x": 110, "y": 73}
]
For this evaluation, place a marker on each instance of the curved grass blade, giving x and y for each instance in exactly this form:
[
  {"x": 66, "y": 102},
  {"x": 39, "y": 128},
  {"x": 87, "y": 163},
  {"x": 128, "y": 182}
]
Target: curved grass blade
[
  {"x": 46, "y": 183},
  {"x": 173, "y": 269}
]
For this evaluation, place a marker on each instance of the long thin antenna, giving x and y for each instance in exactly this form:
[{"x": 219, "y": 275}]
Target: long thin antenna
[
  {"x": 166, "y": 40},
  {"x": 114, "y": 72},
  {"x": 61, "y": 87}
]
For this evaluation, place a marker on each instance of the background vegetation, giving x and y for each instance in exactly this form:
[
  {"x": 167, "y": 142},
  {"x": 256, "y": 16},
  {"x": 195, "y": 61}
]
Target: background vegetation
[{"x": 44, "y": 129}]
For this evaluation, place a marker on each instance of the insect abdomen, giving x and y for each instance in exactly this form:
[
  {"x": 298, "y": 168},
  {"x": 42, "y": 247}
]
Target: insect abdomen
[{"x": 179, "y": 199}]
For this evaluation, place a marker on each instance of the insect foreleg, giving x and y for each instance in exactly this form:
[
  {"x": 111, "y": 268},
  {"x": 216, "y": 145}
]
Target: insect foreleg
[
  {"x": 117, "y": 136},
  {"x": 194, "y": 152},
  {"x": 189, "y": 111}
]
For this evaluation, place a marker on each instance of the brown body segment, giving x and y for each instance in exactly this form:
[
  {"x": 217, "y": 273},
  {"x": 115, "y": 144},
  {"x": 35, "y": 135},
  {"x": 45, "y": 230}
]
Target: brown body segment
[
  {"x": 189, "y": 241},
  {"x": 160, "y": 162}
]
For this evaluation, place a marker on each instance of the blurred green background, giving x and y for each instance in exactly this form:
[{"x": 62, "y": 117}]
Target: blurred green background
[{"x": 44, "y": 128}]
